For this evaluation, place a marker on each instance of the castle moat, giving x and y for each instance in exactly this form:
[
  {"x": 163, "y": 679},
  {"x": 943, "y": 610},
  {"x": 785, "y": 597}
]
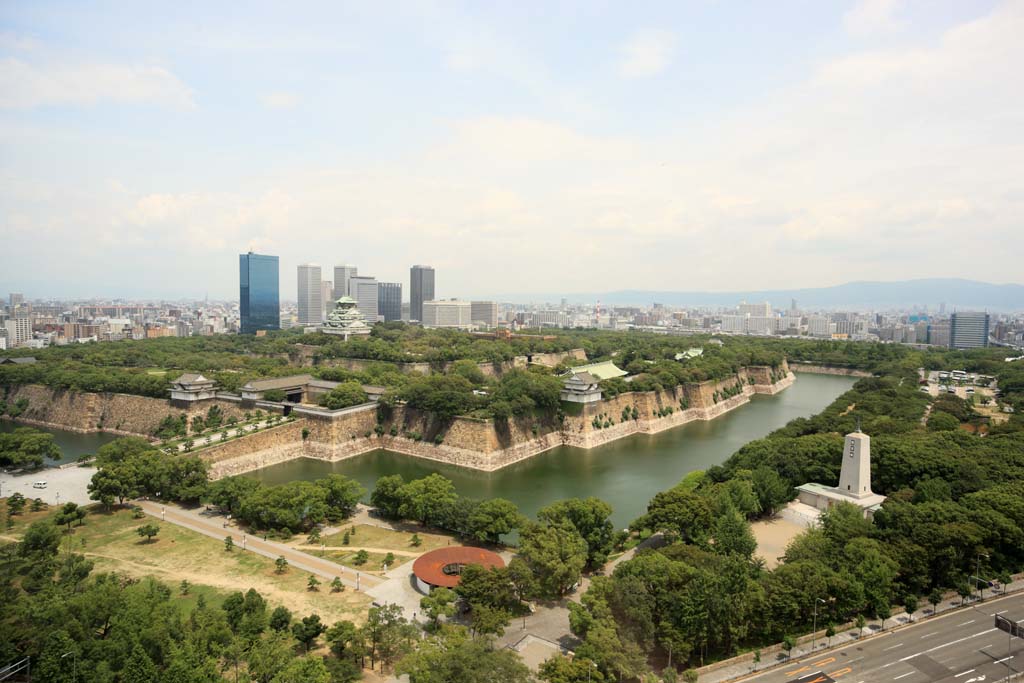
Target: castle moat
[{"x": 626, "y": 473}]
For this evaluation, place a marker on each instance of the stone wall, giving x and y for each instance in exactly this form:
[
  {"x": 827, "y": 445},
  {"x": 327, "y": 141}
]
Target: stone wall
[
  {"x": 812, "y": 369},
  {"x": 81, "y": 411}
]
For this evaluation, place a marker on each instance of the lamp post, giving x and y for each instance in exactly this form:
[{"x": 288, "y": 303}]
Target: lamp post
[
  {"x": 977, "y": 576},
  {"x": 814, "y": 627},
  {"x": 74, "y": 663}
]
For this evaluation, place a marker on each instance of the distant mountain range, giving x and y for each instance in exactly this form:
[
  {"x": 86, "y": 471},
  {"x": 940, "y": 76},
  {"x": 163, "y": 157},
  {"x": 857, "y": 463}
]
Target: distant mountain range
[{"x": 954, "y": 293}]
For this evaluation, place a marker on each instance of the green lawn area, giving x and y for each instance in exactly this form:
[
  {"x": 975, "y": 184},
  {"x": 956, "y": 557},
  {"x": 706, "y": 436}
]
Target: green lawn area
[
  {"x": 373, "y": 563},
  {"x": 111, "y": 542},
  {"x": 367, "y": 536}
]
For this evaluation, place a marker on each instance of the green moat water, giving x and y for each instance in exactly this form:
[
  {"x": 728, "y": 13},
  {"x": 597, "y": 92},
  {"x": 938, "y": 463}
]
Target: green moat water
[
  {"x": 625, "y": 473},
  {"x": 72, "y": 444}
]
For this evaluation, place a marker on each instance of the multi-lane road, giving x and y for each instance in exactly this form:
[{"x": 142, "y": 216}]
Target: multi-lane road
[{"x": 961, "y": 647}]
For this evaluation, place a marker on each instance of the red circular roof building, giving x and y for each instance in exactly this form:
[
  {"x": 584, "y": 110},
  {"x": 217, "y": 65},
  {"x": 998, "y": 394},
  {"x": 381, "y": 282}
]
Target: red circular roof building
[{"x": 444, "y": 566}]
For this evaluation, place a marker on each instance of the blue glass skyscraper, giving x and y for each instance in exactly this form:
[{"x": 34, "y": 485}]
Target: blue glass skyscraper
[{"x": 260, "y": 303}]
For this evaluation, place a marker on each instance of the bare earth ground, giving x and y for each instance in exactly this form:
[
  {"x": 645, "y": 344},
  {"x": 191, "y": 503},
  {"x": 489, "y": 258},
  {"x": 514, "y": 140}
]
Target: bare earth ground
[{"x": 773, "y": 535}]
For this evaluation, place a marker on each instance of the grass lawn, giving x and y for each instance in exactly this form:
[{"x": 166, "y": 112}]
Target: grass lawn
[
  {"x": 367, "y": 536},
  {"x": 373, "y": 563},
  {"x": 110, "y": 540}
]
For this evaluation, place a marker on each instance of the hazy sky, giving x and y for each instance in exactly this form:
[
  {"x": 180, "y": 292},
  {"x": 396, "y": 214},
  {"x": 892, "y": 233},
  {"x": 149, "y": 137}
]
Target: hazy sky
[{"x": 515, "y": 146}]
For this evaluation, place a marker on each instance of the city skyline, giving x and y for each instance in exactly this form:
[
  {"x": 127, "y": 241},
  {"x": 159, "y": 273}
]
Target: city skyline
[{"x": 662, "y": 146}]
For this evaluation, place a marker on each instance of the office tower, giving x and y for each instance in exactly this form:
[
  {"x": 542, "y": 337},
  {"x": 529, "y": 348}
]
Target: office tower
[
  {"x": 447, "y": 314},
  {"x": 15, "y": 299},
  {"x": 342, "y": 274},
  {"x": 421, "y": 288},
  {"x": 363, "y": 289},
  {"x": 389, "y": 300},
  {"x": 484, "y": 313},
  {"x": 968, "y": 330},
  {"x": 258, "y": 293},
  {"x": 763, "y": 310},
  {"x": 327, "y": 297},
  {"x": 938, "y": 333},
  {"x": 311, "y": 301}
]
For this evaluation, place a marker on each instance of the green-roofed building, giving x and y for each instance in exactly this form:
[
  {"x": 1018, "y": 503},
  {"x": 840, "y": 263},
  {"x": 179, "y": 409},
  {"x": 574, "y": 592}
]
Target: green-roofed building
[{"x": 605, "y": 370}]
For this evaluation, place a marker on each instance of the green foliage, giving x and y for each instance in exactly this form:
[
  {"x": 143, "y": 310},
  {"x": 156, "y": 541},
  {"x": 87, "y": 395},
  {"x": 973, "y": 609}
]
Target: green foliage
[
  {"x": 27, "y": 448},
  {"x": 345, "y": 395},
  {"x": 556, "y": 553},
  {"x": 942, "y": 422},
  {"x": 148, "y": 531},
  {"x": 591, "y": 518},
  {"x": 492, "y": 518},
  {"x": 274, "y": 395},
  {"x": 131, "y": 467},
  {"x": 452, "y": 656}
]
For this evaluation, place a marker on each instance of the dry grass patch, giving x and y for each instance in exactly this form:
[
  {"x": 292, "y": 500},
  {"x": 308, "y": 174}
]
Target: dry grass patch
[{"x": 368, "y": 536}]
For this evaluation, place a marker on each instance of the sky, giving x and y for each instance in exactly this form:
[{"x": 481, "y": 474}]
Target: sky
[{"x": 517, "y": 147}]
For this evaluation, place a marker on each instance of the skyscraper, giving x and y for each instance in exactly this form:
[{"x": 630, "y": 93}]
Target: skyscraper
[
  {"x": 259, "y": 300},
  {"x": 363, "y": 289},
  {"x": 421, "y": 288},
  {"x": 311, "y": 302},
  {"x": 327, "y": 296},
  {"x": 342, "y": 274},
  {"x": 389, "y": 300},
  {"x": 968, "y": 330}
]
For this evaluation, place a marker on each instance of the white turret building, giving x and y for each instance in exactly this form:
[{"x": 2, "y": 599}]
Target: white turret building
[{"x": 854, "y": 480}]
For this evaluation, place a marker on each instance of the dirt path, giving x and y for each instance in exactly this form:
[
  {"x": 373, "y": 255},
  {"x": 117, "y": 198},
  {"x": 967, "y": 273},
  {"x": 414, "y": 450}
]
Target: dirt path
[
  {"x": 355, "y": 547},
  {"x": 272, "y": 549}
]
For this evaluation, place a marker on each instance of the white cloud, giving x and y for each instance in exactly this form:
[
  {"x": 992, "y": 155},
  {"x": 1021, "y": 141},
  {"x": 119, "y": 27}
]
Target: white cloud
[
  {"x": 646, "y": 53},
  {"x": 25, "y": 85},
  {"x": 872, "y": 16},
  {"x": 280, "y": 100}
]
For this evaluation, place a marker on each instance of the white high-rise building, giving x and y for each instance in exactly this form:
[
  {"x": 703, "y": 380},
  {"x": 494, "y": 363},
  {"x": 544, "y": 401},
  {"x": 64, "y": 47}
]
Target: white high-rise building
[
  {"x": 736, "y": 324},
  {"x": 484, "y": 313},
  {"x": 450, "y": 313},
  {"x": 818, "y": 326},
  {"x": 310, "y": 295},
  {"x": 762, "y": 310},
  {"x": 327, "y": 295},
  {"x": 342, "y": 274},
  {"x": 19, "y": 330},
  {"x": 364, "y": 290}
]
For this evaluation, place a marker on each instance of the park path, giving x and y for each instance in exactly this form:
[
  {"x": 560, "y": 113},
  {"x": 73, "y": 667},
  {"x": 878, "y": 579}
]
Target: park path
[{"x": 218, "y": 526}]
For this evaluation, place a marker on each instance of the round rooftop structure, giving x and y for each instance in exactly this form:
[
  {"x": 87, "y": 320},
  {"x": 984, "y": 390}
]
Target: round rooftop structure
[{"x": 443, "y": 567}]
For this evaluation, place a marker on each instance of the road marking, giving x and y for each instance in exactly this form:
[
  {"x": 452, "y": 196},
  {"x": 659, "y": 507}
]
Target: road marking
[
  {"x": 963, "y": 673},
  {"x": 1000, "y": 661},
  {"x": 1003, "y": 612},
  {"x": 929, "y": 634},
  {"x": 840, "y": 672},
  {"x": 893, "y": 647},
  {"x": 939, "y": 647},
  {"x": 792, "y": 673},
  {"x": 967, "y": 622},
  {"x": 903, "y": 676},
  {"x": 825, "y": 661}
]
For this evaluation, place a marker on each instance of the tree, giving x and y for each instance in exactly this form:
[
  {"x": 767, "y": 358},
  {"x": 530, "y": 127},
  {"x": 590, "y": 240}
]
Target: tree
[
  {"x": 341, "y": 636},
  {"x": 342, "y": 495},
  {"x": 148, "y": 531},
  {"x": 426, "y": 500},
  {"x": 114, "y": 482},
  {"x": 523, "y": 580},
  {"x": 345, "y": 395},
  {"x": 940, "y": 421},
  {"x": 308, "y": 630},
  {"x": 312, "y": 583},
  {"x": 788, "y": 643},
  {"x": 360, "y": 558},
  {"x": 492, "y": 518},
  {"x": 68, "y": 514},
  {"x": 487, "y": 620},
  {"x": 388, "y": 561},
  {"x": 771, "y": 489},
  {"x": 860, "y": 622},
  {"x": 415, "y": 541},
  {"x": 280, "y": 618},
  {"x": 562, "y": 669},
  {"x": 591, "y": 517},
  {"x": 387, "y": 495},
  {"x": 384, "y": 632},
  {"x": 733, "y": 535},
  {"x": 41, "y": 540},
  {"x": 314, "y": 536},
  {"x": 280, "y": 565},
  {"x": 556, "y": 554},
  {"x": 935, "y": 597},
  {"x": 229, "y": 492},
  {"x": 679, "y": 512},
  {"x": 139, "y": 668},
  {"x": 440, "y": 603},
  {"x": 910, "y": 605},
  {"x": 184, "y": 587},
  {"x": 491, "y": 587},
  {"x": 229, "y": 544},
  {"x": 303, "y": 670},
  {"x": 15, "y": 503},
  {"x": 453, "y": 657}
]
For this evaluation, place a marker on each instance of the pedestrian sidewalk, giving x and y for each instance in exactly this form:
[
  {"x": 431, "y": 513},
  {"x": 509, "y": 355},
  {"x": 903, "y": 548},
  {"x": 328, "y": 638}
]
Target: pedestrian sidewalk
[
  {"x": 216, "y": 525},
  {"x": 744, "y": 665}
]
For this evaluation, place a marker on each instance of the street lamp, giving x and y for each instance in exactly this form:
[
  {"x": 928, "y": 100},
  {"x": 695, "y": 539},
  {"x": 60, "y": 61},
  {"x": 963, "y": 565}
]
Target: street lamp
[
  {"x": 977, "y": 576},
  {"x": 592, "y": 665},
  {"x": 74, "y": 663},
  {"x": 814, "y": 627}
]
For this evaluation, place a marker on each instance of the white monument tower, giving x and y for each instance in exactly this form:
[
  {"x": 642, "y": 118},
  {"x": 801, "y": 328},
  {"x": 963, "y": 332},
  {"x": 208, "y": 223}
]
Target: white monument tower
[{"x": 854, "y": 479}]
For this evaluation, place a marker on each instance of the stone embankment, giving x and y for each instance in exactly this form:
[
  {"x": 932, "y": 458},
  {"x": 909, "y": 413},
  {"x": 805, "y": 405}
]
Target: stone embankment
[
  {"x": 813, "y": 369},
  {"x": 482, "y": 444},
  {"x": 307, "y": 356},
  {"x": 85, "y": 412}
]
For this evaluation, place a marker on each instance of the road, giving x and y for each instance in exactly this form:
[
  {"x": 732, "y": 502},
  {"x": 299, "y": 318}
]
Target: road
[{"x": 961, "y": 647}]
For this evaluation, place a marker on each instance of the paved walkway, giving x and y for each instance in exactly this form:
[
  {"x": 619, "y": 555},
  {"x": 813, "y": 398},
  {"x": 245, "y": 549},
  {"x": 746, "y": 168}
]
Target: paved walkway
[{"x": 217, "y": 526}]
